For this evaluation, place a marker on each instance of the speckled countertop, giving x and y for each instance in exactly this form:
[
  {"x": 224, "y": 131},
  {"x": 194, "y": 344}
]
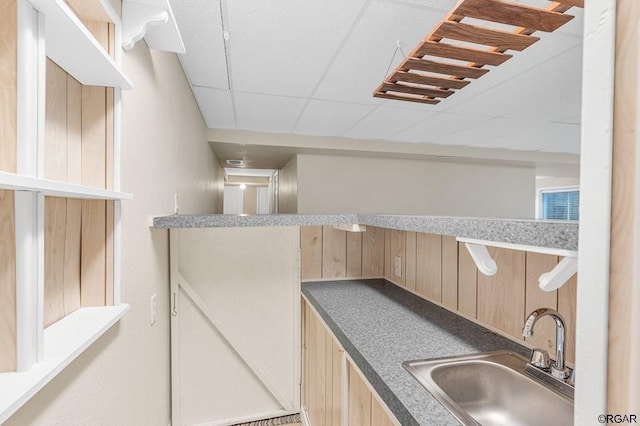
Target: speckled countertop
[
  {"x": 381, "y": 325},
  {"x": 552, "y": 234}
]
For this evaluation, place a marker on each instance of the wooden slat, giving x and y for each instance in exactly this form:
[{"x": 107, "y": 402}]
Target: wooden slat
[
  {"x": 328, "y": 374},
  {"x": 304, "y": 341},
  {"x": 378, "y": 416},
  {"x": 399, "y": 97},
  {"x": 460, "y": 53},
  {"x": 317, "y": 379},
  {"x": 109, "y": 281},
  {"x": 55, "y": 218},
  {"x": 354, "y": 254},
  {"x": 518, "y": 15},
  {"x": 334, "y": 252},
  {"x": 422, "y": 91},
  {"x": 55, "y": 135},
  {"x": 501, "y": 297},
  {"x": 398, "y": 250},
  {"x": 8, "y": 86},
  {"x": 567, "y": 308},
  {"x": 388, "y": 271},
  {"x": 411, "y": 77},
  {"x": 7, "y": 281},
  {"x": 450, "y": 272},
  {"x": 467, "y": 283},
  {"x": 373, "y": 252},
  {"x": 359, "y": 400},
  {"x": 545, "y": 332},
  {"x": 443, "y": 68},
  {"x": 93, "y": 136},
  {"x": 109, "y": 140},
  {"x": 311, "y": 252},
  {"x": 99, "y": 30},
  {"x": 92, "y": 262},
  {"x": 576, "y": 3},
  {"x": 74, "y": 130},
  {"x": 72, "y": 256},
  {"x": 89, "y": 9},
  {"x": 336, "y": 413},
  {"x": 488, "y": 37},
  {"x": 429, "y": 266},
  {"x": 411, "y": 260}
]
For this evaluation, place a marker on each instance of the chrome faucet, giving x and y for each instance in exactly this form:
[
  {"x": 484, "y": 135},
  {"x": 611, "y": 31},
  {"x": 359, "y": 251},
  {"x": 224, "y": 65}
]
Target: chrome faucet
[{"x": 558, "y": 370}]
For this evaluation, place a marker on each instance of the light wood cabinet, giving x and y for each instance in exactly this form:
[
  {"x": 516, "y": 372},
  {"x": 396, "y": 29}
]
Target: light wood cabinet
[{"x": 334, "y": 392}]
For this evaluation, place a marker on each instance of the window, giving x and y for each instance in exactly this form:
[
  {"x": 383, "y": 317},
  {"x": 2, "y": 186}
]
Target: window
[{"x": 560, "y": 204}]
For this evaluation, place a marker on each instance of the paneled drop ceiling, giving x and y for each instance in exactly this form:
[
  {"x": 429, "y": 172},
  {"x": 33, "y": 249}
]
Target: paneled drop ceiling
[{"x": 310, "y": 67}]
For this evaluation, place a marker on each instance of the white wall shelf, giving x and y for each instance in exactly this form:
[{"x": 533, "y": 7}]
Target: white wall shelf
[
  {"x": 152, "y": 20},
  {"x": 58, "y": 189},
  {"x": 70, "y": 44},
  {"x": 64, "y": 341}
]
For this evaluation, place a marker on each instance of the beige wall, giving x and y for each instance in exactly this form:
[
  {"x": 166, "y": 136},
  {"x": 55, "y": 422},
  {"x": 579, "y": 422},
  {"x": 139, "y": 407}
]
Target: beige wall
[
  {"x": 346, "y": 184},
  {"x": 123, "y": 379},
  {"x": 556, "y": 182},
  {"x": 250, "y": 200},
  {"x": 288, "y": 187}
]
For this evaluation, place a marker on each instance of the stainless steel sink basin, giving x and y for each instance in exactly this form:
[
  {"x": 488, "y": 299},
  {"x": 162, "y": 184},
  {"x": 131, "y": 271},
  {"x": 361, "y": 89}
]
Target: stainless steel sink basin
[{"x": 492, "y": 389}]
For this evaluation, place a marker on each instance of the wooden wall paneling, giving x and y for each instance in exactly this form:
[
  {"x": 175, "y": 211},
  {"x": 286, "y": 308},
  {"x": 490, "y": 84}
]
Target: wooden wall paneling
[
  {"x": 94, "y": 136},
  {"x": 398, "y": 251},
  {"x": 8, "y": 356},
  {"x": 109, "y": 253},
  {"x": 89, "y": 9},
  {"x": 8, "y": 86},
  {"x": 337, "y": 355},
  {"x": 74, "y": 130},
  {"x": 72, "y": 255},
  {"x": 567, "y": 308},
  {"x": 93, "y": 247},
  {"x": 55, "y": 137},
  {"x": 467, "y": 283},
  {"x": 304, "y": 350},
  {"x": 545, "y": 330},
  {"x": 334, "y": 252},
  {"x": 111, "y": 28},
  {"x": 388, "y": 273},
  {"x": 328, "y": 374},
  {"x": 410, "y": 260},
  {"x": 373, "y": 256},
  {"x": 429, "y": 266},
  {"x": 378, "y": 416},
  {"x": 359, "y": 400},
  {"x": 317, "y": 379},
  {"x": 450, "y": 272},
  {"x": 55, "y": 219},
  {"x": 99, "y": 30},
  {"x": 501, "y": 297},
  {"x": 354, "y": 254},
  {"x": 109, "y": 139},
  {"x": 311, "y": 252}
]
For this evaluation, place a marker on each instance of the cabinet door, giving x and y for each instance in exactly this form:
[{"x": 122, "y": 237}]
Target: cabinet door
[{"x": 235, "y": 334}]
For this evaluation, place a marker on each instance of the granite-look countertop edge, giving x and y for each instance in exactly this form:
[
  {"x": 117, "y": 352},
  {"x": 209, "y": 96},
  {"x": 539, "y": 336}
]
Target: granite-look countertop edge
[
  {"x": 552, "y": 234},
  {"x": 231, "y": 221},
  {"x": 381, "y": 325}
]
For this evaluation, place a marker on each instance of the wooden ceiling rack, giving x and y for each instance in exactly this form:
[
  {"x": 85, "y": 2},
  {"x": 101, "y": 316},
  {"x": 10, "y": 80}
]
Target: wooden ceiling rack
[{"x": 424, "y": 77}]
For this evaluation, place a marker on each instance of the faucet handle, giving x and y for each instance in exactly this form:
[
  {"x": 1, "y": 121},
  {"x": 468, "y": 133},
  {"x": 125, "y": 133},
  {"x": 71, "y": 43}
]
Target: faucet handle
[{"x": 540, "y": 358}]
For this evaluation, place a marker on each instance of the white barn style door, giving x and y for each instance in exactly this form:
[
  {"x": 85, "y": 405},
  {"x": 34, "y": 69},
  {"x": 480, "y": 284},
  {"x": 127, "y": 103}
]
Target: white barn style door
[{"x": 235, "y": 335}]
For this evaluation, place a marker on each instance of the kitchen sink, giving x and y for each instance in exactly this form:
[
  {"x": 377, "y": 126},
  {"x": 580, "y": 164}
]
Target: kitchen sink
[{"x": 493, "y": 388}]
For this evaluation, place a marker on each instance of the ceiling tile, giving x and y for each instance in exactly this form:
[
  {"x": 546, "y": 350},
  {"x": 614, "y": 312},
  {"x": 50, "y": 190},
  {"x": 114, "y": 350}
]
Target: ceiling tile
[
  {"x": 366, "y": 56},
  {"x": 549, "y": 91},
  {"x": 439, "y": 126},
  {"x": 385, "y": 122},
  {"x": 267, "y": 113},
  {"x": 283, "y": 47},
  {"x": 519, "y": 134},
  {"x": 330, "y": 118},
  {"x": 216, "y": 107},
  {"x": 200, "y": 25}
]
